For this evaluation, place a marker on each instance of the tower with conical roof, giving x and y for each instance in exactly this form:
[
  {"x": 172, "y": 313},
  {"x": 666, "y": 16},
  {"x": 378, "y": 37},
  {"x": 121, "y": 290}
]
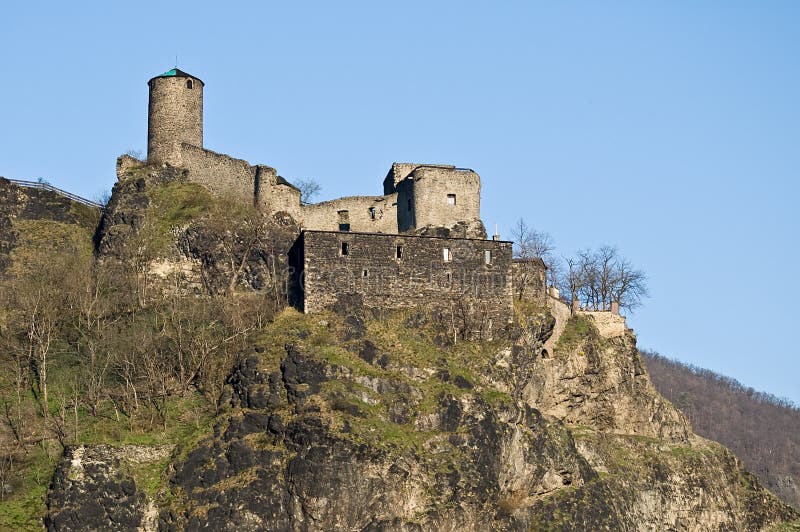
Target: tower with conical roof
[{"x": 175, "y": 115}]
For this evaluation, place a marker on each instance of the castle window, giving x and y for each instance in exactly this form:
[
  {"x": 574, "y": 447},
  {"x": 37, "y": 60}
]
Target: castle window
[
  {"x": 344, "y": 220},
  {"x": 451, "y": 199},
  {"x": 399, "y": 252},
  {"x": 487, "y": 256},
  {"x": 345, "y": 249},
  {"x": 372, "y": 213},
  {"x": 189, "y": 84},
  {"x": 446, "y": 255},
  {"x": 364, "y": 273}
]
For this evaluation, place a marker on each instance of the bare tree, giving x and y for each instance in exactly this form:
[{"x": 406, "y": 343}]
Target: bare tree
[
  {"x": 529, "y": 245},
  {"x": 599, "y": 277},
  {"x": 308, "y": 190}
]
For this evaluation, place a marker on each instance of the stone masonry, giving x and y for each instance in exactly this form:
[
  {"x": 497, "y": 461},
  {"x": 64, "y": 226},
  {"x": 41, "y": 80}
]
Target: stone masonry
[
  {"x": 417, "y": 197},
  {"x": 389, "y": 250},
  {"x": 404, "y": 271}
]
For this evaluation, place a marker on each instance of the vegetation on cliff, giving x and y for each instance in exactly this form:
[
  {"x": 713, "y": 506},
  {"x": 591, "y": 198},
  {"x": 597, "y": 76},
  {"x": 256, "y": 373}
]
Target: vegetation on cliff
[{"x": 163, "y": 383}]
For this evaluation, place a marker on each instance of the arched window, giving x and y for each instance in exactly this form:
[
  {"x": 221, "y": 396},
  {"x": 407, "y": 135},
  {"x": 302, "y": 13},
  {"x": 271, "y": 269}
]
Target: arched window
[{"x": 189, "y": 84}]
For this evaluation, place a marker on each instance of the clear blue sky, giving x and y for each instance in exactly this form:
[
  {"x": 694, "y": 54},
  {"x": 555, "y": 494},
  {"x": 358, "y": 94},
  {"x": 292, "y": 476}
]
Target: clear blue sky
[{"x": 670, "y": 129}]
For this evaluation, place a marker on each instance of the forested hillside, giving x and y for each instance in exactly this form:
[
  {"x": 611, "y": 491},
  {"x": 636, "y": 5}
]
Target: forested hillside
[{"x": 763, "y": 430}]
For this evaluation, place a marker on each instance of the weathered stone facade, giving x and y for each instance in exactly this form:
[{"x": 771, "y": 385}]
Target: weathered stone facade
[
  {"x": 530, "y": 280},
  {"x": 438, "y": 204},
  {"x": 417, "y": 197},
  {"x": 404, "y": 271},
  {"x": 175, "y": 116}
]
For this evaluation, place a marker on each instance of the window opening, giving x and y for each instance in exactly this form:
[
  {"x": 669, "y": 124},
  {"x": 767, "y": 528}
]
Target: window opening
[
  {"x": 372, "y": 213},
  {"x": 189, "y": 84},
  {"x": 344, "y": 220},
  {"x": 487, "y": 256},
  {"x": 446, "y": 255},
  {"x": 345, "y": 248},
  {"x": 451, "y": 199},
  {"x": 399, "y": 252}
]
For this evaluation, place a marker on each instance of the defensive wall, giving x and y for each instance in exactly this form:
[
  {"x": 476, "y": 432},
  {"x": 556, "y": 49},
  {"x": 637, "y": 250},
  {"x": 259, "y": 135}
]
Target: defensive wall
[
  {"x": 530, "y": 280},
  {"x": 404, "y": 271},
  {"x": 416, "y": 196}
]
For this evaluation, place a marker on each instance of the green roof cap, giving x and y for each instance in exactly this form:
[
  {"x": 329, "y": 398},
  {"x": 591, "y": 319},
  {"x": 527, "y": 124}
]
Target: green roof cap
[{"x": 177, "y": 73}]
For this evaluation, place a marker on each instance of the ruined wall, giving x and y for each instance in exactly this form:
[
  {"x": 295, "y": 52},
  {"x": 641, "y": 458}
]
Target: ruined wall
[
  {"x": 221, "y": 174},
  {"x": 370, "y": 214},
  {"x": 175, "y": 116},
  {"x": 275, "y": 194},
  {"x": 609, "y": 325},
  {"x": 438, "y": 196},
  {"x": 397, "y": 173},
  {"x": 370, "y": 271},
  {"x": 530, "y": 280}
]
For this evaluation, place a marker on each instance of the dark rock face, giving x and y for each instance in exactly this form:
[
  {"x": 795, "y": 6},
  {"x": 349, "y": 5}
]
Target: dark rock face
[
  {"x": 90, "y": 492},
  {"x": 336, "y": 431},
  {"x": 19, "y": 205},
  {"x": 283, "y": 463},
  {"x": 210, "y": 255},
  {"x": 126, "y": 211}
]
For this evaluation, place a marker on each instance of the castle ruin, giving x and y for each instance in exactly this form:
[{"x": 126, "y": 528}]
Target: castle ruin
[
  {"x": 422, "y": 198},
  {"x": 419, "y": 243}
]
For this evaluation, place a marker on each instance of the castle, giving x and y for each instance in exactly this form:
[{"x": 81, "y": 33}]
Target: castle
[
  {"x": 421, "y": 242},
  {"x": 419, "y": 198}
]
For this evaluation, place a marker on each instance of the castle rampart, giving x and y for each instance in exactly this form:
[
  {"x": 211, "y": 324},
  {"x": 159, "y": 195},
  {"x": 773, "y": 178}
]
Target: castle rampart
[
  {"x": 403, "y": 271},
  {"x": 417, "y": 197},
  {"x": 369, "y": 214},
  {"x": 221, "y": 174}
]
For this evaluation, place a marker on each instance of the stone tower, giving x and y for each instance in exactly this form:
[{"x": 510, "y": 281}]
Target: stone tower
[{"x": 175, "y": 115}]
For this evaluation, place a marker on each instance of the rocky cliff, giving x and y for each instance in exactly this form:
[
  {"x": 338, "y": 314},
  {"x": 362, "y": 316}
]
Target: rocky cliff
[
  {"x": 41, "y": 221},
  {"x": 357, "y": 423},
  {"x": 183, "y": 235},
  {"x": 377, "y": 422}
]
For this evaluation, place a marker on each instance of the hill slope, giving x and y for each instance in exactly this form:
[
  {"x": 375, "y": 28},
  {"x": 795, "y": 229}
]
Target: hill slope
[
  {"x": 163, "y": 384},
  {"x": 762, "y": 430}
]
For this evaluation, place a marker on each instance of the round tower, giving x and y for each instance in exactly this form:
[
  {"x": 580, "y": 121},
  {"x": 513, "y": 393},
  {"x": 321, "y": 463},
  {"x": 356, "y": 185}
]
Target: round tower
[{"x": 175, "y": 115}]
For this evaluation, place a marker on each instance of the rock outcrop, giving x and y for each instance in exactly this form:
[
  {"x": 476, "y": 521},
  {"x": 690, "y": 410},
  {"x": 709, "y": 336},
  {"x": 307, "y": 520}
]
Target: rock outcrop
[
  {"x": 347, "y": 424},
  {"x": 188, "y": 238},
  {"x": 94, "y": 488},
  {"x": 35, "y": 220}
]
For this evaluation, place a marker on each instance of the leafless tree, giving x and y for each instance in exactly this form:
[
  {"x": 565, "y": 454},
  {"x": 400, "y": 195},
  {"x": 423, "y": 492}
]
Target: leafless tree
[
  {"x": 599, "y": 277},
  {"x": 530, "y": 244},
  {"x": 308, "y": 190}
]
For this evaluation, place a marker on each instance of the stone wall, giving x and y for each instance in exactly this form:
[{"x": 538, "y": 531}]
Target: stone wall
[
  {"x": 609, "y": 325},
  {"x": 364, "y": 269},
  {"x": 433, "y": 186},
  {"x": 274, "y": 194},
  {"x": 220, "y": 174},
  {"x": 562, "y": 313},
  {"x": 530, "y": 280},
  {"x": 175, "y": 116},
  {"x": 371, "y": 214}
]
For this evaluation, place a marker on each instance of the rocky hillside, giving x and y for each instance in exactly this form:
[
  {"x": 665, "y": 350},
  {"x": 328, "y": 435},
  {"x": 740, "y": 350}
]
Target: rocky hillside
[
  {"x": 364, "y": 423},
  {"x": 33, "y": 220},
  {"x": 182, "y": 402},
  {"x": 761, "y": 429}
]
